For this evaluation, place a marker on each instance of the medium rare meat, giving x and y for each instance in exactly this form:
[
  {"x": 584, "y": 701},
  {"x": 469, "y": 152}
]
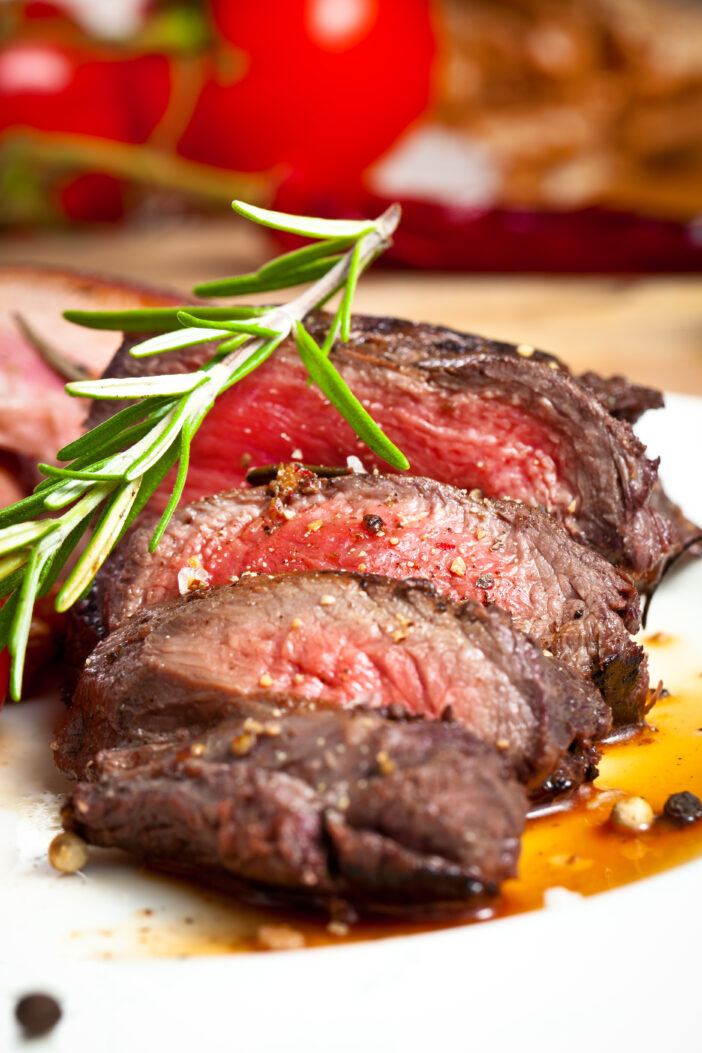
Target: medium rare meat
[
  {"x": 343, "y": 639},
  {"x": 571, "y": 599},
  {"x": 37, "y": 417},
  {"x": 468, "y": 411},
  {"x": 314, "y": 803}
]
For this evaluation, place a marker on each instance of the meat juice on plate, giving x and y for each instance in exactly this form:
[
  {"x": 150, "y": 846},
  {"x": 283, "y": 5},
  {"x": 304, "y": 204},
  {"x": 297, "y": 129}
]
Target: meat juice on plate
[{"x": 574, "y": 847}]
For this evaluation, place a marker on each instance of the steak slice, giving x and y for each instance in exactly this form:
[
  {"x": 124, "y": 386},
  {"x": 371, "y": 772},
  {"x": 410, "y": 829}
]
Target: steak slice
[
  {"x": 573, "y": 601},
  {"x": 389, "y": 814},
  {"x": 620, "y": 397},
  {"x": 467, "y": 411},
  {"x": 37, "y": 416},
  {"x": 345, "y": 639}
]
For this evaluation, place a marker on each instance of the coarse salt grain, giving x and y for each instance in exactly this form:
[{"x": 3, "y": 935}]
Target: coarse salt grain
[
  {"x": 458, "y": 567},
  {"x": 191, "y": 578},
  {"x": 356, "y": 465},
  {"x": 386, "y": 764},
  {"x": 242, "y": 744}
]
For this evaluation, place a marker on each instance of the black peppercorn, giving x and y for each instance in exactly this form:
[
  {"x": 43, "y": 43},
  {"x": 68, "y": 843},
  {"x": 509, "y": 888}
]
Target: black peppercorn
[
  {"x": 37, "y": 1014},
  {"x": 683, "y": 808},
  {"x": 373, "y": 524}
]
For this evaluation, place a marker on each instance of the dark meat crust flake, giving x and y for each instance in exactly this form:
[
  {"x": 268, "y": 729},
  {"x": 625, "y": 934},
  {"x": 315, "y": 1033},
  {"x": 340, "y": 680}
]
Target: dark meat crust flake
[{"x": 389, "y": 814}]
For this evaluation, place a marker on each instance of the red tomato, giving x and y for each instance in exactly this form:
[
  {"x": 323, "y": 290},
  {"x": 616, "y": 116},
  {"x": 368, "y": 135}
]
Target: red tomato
[
  {"x": 4, "y": 675},
  {"x": 55, "y": 88},
  {"x": 143, "y": 83},
  {"x": 324, "y": 86}
]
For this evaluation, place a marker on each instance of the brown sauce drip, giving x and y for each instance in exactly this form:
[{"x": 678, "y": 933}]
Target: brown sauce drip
[{"x": 573, "y": 848}]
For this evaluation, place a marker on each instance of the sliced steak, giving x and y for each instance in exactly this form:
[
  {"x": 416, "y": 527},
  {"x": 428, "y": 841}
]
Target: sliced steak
[
  {"x": 465, "y": 410},
  {"x": 686, "y": 535},
  {"x": 37, "y": 416},
  {"x": 343, "y": 639},
  {"x": 571, "y": 599},
  {"x": 620, "y": 397},
  {"x": 314, "y": 803}
]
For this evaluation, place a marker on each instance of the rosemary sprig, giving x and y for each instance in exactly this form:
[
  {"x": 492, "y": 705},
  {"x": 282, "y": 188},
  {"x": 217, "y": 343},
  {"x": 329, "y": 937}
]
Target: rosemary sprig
[{"x": 110, "y": 473}]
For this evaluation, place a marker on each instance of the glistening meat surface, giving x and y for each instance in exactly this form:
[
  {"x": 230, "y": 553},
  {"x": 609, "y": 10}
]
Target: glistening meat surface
[
  {"x": 37, "y": 417},
  {"x": 342, "y": 639},
  {"x": 466, "y": 410},
  {"x": 571, "y": 599},
  {"x": 312, "y": 803}
]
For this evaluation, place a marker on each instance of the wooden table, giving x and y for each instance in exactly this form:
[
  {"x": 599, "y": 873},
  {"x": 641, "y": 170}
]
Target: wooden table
[{"x": 647, "y": 328}]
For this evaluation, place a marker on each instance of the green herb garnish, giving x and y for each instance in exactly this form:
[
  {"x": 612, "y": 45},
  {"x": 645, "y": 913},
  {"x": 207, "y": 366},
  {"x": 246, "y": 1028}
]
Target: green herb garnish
[{"x": 112, "y": 471}]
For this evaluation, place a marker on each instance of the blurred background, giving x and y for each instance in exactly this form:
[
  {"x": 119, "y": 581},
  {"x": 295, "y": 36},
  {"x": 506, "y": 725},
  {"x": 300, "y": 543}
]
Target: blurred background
[{"x": 520, "y": 135}]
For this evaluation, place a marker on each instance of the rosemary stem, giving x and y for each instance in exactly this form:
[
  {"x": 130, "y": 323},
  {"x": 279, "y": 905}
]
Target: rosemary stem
[
  {"x": 114, "y": 474},
  {"x": 373, "y": 243}
]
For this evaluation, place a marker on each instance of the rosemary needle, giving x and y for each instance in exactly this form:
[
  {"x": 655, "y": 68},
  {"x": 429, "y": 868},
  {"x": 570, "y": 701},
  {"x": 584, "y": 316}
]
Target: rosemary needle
[{"x": 110, "y": 473}]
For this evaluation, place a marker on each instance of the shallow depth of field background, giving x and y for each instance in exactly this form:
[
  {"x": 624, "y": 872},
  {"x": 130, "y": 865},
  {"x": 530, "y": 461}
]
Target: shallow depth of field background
[{"x": 548, "y": 135}]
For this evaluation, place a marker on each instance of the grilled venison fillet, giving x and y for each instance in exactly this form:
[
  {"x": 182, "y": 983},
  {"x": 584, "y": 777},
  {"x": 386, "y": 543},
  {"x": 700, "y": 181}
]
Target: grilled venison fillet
[
  {"x": 346, "y": 640},
  {"x": 575, "y": 603},
  {"x": 389, "y": 813},
  {"x": 467, "y": 411}
]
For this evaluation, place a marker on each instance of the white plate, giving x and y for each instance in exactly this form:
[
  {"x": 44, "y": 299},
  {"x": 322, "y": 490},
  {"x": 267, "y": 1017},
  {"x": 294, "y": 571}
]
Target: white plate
[{"x": 616, "y": 970}]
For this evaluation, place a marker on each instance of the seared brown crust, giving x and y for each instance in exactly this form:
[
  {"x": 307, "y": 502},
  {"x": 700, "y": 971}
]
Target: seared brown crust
[
  {"x": 573, "y": 601},
  {"x": 686, "y": 536},
  {"x": 342, "y": 638},
  {"x": 388, "y": 813},
  {"x": 620, "y": 397},
  {"x": 604, "y": 462}
]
